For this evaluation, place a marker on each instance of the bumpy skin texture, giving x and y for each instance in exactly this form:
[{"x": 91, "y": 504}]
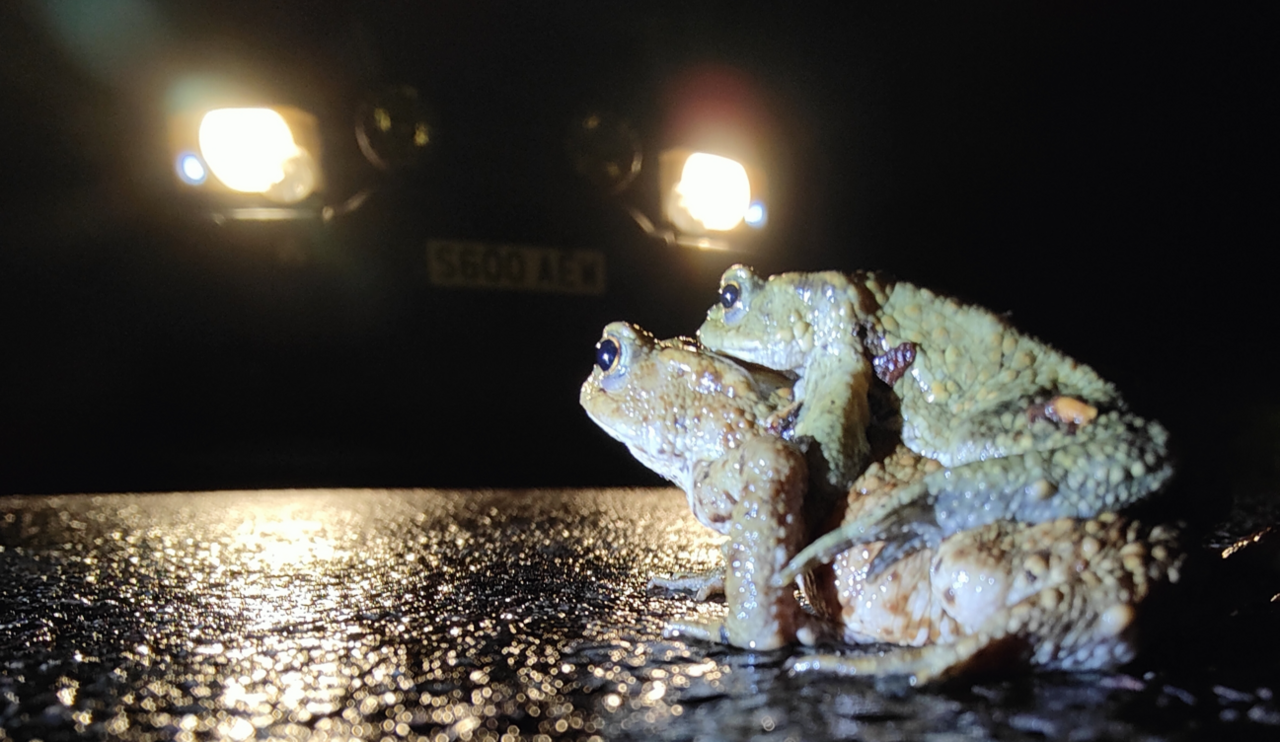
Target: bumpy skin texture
[
  {"x": 1022, "y": 430},
  {"x": 681, "y": 411},
  {"x": 699, "y": 420},
  {"x": 1060, "y": 594}
]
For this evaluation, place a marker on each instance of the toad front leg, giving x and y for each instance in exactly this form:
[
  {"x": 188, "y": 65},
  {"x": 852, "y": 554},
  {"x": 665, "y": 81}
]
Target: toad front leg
[
  {"x": 836, "y": 415},
  {"x": 768, "y": 478}
]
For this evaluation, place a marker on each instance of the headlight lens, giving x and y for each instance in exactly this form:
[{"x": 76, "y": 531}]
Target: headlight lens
[
  {"x": 705, "y": 193},
  {"x": 252, "y": 150},
  {"x": 713, "y": 191}
]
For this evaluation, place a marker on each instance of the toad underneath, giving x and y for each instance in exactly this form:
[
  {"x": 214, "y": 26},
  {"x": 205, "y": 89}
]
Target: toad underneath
[{"x": 1062, "y": 594}]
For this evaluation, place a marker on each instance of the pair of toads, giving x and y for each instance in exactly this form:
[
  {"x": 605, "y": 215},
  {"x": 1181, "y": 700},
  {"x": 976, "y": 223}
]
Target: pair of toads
[{"x": 931, "y": 477}]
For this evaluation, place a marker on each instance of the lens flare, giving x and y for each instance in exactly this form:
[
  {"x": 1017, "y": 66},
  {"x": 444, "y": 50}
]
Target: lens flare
[{"x": 191, "y": 169}]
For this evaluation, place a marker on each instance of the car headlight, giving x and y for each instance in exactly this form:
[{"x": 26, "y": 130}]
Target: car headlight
[
  {"x": 703, "y": 192},
  {"x": 252, "y": 150},
  {"x": 267, "y": 151}
]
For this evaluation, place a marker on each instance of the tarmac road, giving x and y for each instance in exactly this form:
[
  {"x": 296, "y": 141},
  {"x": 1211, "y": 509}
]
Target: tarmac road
[{"x": 496, "y": 615}]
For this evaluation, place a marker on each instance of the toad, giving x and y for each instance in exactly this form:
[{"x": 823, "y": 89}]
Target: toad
[
  {"x": 1059, "y": 594},
  {"x": 1021, "y": 430}
]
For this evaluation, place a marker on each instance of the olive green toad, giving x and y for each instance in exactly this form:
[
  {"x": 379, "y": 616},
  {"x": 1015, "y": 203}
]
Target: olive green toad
[{"x": 1022, "y": 431}]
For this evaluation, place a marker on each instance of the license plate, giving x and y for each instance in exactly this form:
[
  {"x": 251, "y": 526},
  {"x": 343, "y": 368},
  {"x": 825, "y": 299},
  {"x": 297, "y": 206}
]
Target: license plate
[{"x": 489, "y": 265}]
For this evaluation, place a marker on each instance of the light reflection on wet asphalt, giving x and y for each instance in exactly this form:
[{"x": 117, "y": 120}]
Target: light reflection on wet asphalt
[{"x": 448, "y": 615}]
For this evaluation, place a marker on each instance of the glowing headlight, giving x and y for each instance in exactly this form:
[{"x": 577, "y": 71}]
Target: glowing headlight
[
  {"x": 252, "y": 150},
  {"x": 714, "y": 190},
  {"x": 273, "y": 153},
  {"x": 709, "y": 193}
]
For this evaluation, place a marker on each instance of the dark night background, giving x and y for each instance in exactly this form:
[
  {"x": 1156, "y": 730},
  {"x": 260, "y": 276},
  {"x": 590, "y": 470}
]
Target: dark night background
[{"x": 1102, "y": 171}]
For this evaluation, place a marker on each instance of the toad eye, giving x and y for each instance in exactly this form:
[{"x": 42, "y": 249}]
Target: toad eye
[
  {"x": 607, "y": 354},
  {"x": 730, "y": 293}
]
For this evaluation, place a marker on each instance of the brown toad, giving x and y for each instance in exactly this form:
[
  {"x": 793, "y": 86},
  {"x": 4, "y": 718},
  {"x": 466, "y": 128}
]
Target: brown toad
[{"x": 1062, "y": 594}]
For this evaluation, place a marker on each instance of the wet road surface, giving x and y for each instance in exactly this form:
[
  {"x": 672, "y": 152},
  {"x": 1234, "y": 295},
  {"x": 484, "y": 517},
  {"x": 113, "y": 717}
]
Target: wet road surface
[{"x": 422, "y": 614}]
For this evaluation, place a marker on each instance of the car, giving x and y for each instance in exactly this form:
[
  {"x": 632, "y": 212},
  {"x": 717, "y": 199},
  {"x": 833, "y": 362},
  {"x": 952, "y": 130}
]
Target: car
[{"x": 475, "y": 191}]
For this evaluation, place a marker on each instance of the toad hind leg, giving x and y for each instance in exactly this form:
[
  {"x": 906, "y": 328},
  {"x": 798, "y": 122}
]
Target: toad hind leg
[
  {"x": 1082, "y": 617},
  {"x": 1015, "y": 637},
  {"x": 1029, "y": 632},
  {"x": 1077, "y": 480},
  {"x": 920, "y": 665}
]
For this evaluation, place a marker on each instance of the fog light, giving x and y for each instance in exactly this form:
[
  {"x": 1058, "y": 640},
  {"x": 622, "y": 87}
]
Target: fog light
[
  {"x": 392, "y": 128},
  {"x": 605, "y": 150}
]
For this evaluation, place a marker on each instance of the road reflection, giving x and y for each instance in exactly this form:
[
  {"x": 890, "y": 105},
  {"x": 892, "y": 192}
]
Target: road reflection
[
  {"x": 356, "y": 614},
  {"x": 433, "y": 615}
]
